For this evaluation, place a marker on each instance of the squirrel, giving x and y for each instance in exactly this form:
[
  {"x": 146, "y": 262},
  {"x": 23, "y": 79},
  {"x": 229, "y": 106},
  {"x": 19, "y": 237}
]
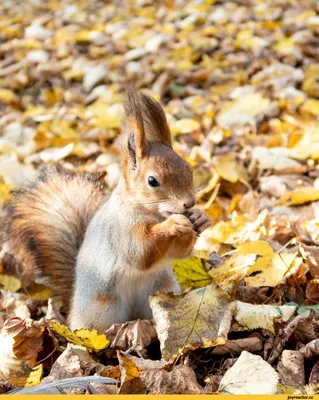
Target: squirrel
[{"x": 103, "y": 255}]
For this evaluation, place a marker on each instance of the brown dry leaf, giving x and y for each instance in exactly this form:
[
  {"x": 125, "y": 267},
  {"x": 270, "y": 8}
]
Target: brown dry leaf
[
  {"x": 14, "y": 308},
  {"x": 314, "y": 376},
  {"x": 312, "y": 290},
  {"x": 74, "y": 361},
  {"x": 311, "y": 349},
  {"x": 250, "y": 344},
  {"x": 147, "y": 376},
  {"x": 20, "y": 343},
  {"x": 303, "y": 327},
  {"x": 311, "y": 256},
  {"x": 132, "y": 336},
  {"x": 291, "y": 369},
  {"x": 200, "y": 318}
]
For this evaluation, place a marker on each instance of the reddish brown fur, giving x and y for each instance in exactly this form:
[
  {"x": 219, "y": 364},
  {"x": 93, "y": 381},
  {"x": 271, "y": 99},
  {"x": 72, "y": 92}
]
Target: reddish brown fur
[{"x": 45, "y": 227}]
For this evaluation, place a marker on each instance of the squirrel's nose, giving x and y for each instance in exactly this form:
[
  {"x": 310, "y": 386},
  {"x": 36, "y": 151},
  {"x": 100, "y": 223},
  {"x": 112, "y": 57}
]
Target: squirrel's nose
[{"x": 189, "y": 203}]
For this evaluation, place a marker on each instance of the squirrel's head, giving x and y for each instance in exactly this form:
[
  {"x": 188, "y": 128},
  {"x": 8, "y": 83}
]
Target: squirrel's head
[{"x": 156, "y": 177}]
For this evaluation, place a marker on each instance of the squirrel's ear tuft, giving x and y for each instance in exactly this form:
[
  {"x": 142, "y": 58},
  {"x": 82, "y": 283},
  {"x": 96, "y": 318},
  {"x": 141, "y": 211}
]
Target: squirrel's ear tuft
[
  {"x": 136, "y": 138},
  {"x": 155, "y": 121}
]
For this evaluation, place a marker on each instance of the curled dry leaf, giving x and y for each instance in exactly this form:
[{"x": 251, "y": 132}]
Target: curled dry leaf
[
  {"x": 312, "y": 290},
  {"x": 304, "y": 327},
  {"x": 147, "y": 376},
  {"x": 20, "y": 343},
  {"x": 77, "y": 361},
  {"x": 311, "y": 349},
  {"x": 249, "y": 375},
  {"x": 291, "y": 369},
  {"x": 311, "y": 256},
  {"x": 250, "y": 344},
  {"x": 314, "y": 376},
  {"x": 132, "y": 336},
  {"x": 200, "y": 318},
  {"x": 14, "y": 308}
]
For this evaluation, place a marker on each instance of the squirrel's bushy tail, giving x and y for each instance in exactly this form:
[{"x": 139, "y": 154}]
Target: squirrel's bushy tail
[{"x": 44, "y": 226}]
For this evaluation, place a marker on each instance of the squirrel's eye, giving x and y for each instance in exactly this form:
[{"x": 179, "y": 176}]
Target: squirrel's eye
[{"x": 153, "y": 181}]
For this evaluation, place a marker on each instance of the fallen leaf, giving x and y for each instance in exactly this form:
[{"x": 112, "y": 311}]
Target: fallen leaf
[
  {"x": 312, "y": 290},
  {"x": 311, "y": 349},
  {"x": 14, "y": 308},
  {"x": 272, "y": 274},
  {"x": 250, "y": 344},
  {"x": 311, "y": 256},
  {"x": 20, "y": 343},
  {"x": 185, "y": 125},
  {"x": 132, "y": 336},
  {"x": 10, "y": 283},
  {"x": 253, "y": 316},
  {"x": 300, "y": 196},
  {"x": 269, "y": 159},
  {"x": 226, "y": 167},
  {"x": 249, "y": 375},
  {"x": 191, "y": 273},
  {"x": 90, "y": 339},
  {"x": 147, "y": 376},
  {"x": 7, "y": 96},
  {"x": 245, "y": 110},
  {"x": 291, "y": 369},
  {"x": 200, "y": 318}
]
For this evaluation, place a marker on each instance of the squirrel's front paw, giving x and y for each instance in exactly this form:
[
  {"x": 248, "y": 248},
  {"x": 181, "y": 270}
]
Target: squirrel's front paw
[
  {"x": 199, "y": 220},
  {"x": 179, "y": 225}
]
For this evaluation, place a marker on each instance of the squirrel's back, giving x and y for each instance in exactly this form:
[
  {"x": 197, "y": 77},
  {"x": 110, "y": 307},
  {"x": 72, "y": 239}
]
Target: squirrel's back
[{"x": 44, "y": 227}]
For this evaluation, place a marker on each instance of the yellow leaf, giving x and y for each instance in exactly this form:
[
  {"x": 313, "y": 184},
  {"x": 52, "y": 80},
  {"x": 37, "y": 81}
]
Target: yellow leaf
[
  {"x": 244, "y": 110},
  {"x": 198, "y": 319},
  {"x": 53, "y": 96},
  {"x": 63, "y": 129},
  {"x": 272, "y": 273},
  {"x": 4, "y": 192},
  {"x": 191, "y": 273},
  {"x": 7, "y": 96},
  {"x": 311, "y": 82},
  {"x": 227, "y": 232},
  {"x": 253, "y": 316},
  {"x": 72, "y": 75},
  {"x": 249, "y": 257},
  {"x": 287, "y": 390},
  {"x": 34, "y": 111},
  {"x": 35, "y": 376},
  {"x": 226, "y": 167},
  {"x": 285, "y": 46},
  {"x": 10, "y": 283},
  {"x": 311, "y": 107},
  {"x": 108, "y": 121},
  {"x": 37, "y": 291},
  {"x": 259, "y": 247},
  {"x": 130, "y": 368},
  {"x": 300, "y": 196},
  {"x": 90, "y": 339},
  {"x": 232, "y": 271},
  {"x": 185, "y": 125}
]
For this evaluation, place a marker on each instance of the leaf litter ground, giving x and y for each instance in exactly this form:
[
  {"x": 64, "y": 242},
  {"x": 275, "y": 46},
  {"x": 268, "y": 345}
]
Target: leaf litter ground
[{"x": 239, "y": 82}]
